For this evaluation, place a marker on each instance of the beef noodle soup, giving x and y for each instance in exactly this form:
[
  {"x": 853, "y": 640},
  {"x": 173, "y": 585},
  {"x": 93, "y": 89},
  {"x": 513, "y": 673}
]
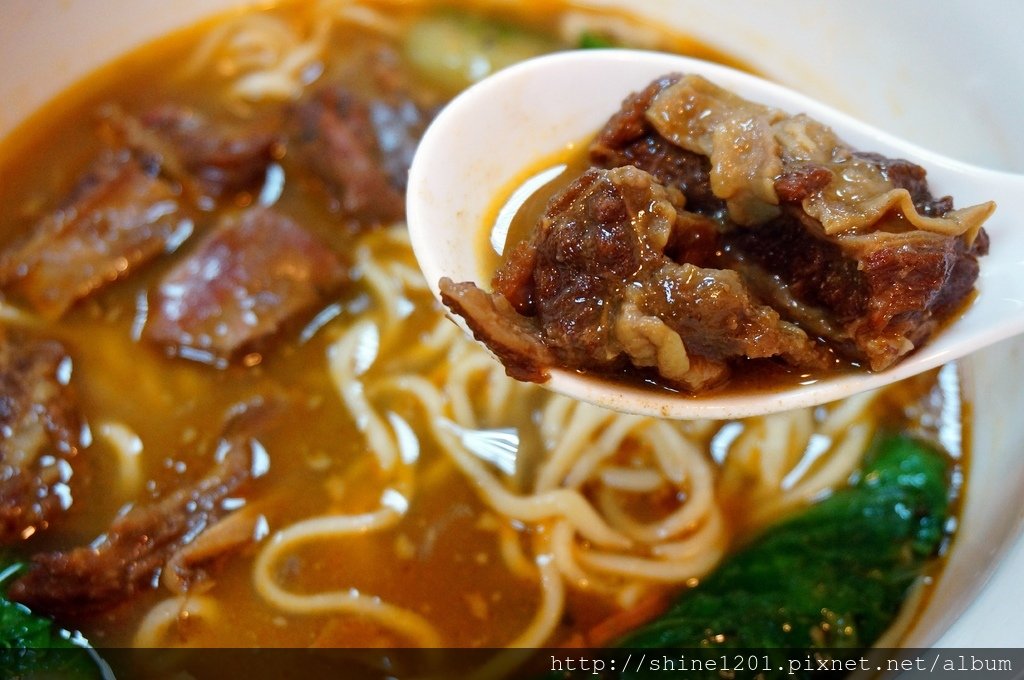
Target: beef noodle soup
[{"x": 233, "y": 414}]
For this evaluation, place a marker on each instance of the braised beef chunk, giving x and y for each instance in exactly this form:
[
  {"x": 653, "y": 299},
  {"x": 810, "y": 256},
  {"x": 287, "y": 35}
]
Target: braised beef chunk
[
  {"x": 214, "y": 158},
  {"x": 119, "y": 217},
  {"x": 870, "y": 260},
  {"x": 514, "y": 339},
  {"x": 880, "y": 293},
  {"x": 129, "y": 558},
  {"x": 815, "y": 270},
  {"x": 246, "y": 278},
  {"x": 360, "y": 148},
  {"x": 718, "y": 230},
  {"x": 195, "y": 562},
  {"x": 912, "y": 279},
  {"x": 913, "y": 178},
  {"x": 629, "y": 139},
  {"x": 714, "y": 230},
  {"x": 514, "y": 280},
  {"x": 605, "y": 295},
  {"x": 39, "y": 434},
  {"x": 587, "y": 252},
  {"x": 801, "y": 181},
  {"x": 961, "y": 277}
]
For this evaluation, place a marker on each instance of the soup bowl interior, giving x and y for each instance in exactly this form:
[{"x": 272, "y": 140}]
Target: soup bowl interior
[{"x": 876, "y": 61}]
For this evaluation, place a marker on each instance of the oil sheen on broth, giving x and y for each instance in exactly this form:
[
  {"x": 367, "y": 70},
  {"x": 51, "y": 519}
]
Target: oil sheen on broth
[{"x": 385, "y": 485}]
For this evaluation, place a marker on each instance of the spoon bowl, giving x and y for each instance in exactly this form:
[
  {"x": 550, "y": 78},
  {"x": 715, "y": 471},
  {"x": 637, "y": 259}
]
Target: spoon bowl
[{"x": 490, "y": 134}]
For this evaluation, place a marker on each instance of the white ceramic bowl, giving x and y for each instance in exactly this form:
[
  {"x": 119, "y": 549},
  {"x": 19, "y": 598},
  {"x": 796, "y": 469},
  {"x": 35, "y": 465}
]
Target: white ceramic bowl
[{"x": 947, "y": 76}]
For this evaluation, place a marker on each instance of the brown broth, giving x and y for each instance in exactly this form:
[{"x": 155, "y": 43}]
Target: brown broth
[{"x": 318, "y": 459}]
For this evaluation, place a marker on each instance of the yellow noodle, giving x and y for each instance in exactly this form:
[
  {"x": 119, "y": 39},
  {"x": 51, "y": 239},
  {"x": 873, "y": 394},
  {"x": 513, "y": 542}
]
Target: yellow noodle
[
  {"x": 155, "y": 628},
  {"x": 567, "y": 441},
  {"x": 845, "y": 413},
  {"x": 550, "y": 611},
  {"x": 593, "y": 466},
  {"x": 837, "y": 468},
  {"x": 458, "y": 385},
  {"x": 634, "y": 480},
  {"x": 666, "y": 571},
  {"x": 672, "y": 449},
  {"x": 364, "y": 17},
  {"x": 563, "y": 546},
  {"x": 540, "y": 628},
  {"x": 386, "y": 292},
  {"x": 512, "y": 552},
  {"x": 332, "y": 527},
  {"x": 128, "y": 447},
  {"x": 602, "y": 446},
  {"x": 536, "y": 507},
  {"x": 342, "y": 357},
  {"x": 11, "y": 314},
  {"x": 262, "y": 56}
]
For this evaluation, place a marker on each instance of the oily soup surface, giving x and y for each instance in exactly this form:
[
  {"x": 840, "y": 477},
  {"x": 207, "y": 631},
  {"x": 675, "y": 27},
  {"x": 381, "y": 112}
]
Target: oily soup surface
[{"x": 358, "y": 495}]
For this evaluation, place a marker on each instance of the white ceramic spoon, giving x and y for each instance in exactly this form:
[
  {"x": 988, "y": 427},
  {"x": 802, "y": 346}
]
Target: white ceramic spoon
[{"x": 485, "y": 139}]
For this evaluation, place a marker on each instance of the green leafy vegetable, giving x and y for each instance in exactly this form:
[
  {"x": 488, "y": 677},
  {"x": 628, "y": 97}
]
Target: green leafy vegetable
[
  {"x": 31, "y": 646},
  {"x": 455, "y": 50},
  {"x": 589, "y": 40},
  {"x": 833, "y": 577}
]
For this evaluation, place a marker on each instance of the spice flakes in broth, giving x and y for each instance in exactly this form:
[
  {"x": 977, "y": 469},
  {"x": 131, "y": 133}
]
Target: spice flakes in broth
[{"x": 395, "y": 488}]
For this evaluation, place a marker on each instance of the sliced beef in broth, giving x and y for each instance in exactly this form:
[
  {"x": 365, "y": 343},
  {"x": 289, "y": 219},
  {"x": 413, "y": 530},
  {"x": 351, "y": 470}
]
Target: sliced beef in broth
[
  {"x": 120, "y": 216},
  {"x": 246, "y": 278},
  {"x": 131, "y": 555},
  {"x": 215, "y": 159},
  {"x": 40, "y": 432},
  {"x": 360, "y": 149}
]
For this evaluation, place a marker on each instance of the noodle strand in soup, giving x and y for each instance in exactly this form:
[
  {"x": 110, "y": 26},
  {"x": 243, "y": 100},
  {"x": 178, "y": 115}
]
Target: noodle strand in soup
[
  {"x": 411, "y": 494},
  {"x": 582, "y": 525}
]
